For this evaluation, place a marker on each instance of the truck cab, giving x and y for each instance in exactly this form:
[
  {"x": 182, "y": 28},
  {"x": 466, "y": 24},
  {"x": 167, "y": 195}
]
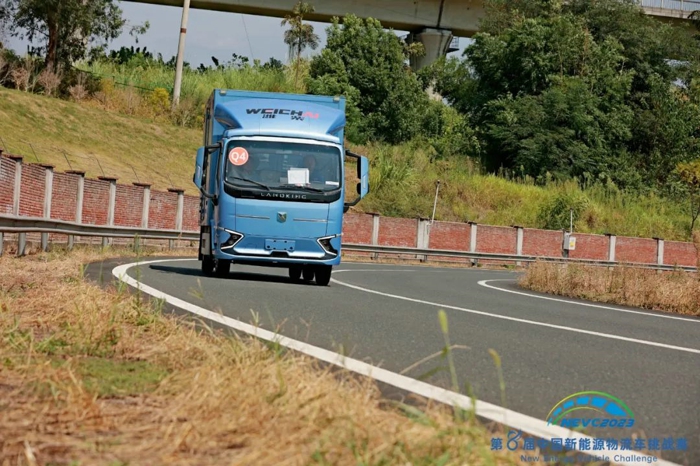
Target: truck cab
[{"x": 272, "y": 179}]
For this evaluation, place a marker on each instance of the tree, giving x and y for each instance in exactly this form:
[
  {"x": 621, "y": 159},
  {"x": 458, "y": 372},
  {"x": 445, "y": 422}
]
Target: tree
[
  {"x": 689, "y": 173},
  {"x": 299, "y": 35},
  {"x": 366, "y": 63},
  {"x": 65, "y": 27},
  {"x": 585, "y": 88}
]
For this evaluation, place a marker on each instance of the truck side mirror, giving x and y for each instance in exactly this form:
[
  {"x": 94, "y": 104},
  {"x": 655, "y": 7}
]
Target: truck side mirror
[
  {"x": 363, "y": 174},
  {"x": 199, "y": 168}
]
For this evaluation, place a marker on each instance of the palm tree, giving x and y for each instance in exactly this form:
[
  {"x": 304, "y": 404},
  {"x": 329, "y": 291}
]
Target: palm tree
[{"x": 299, "y": 36}]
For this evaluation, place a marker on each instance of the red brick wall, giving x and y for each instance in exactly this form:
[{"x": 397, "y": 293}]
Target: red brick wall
[
  {"x": 635, "y": 250},
  {"x": 163, "y": 209},
  {"x": 398, "y": 232},
  {"x": 591, "y": 247},
  {"x": 542, "y": 242},
  {"x": 31, "y": 193},
  {"x": 190, "y": 214},
  {"x": 7, "y": 184},
  {"x": 95, "y": 202},
  {"x": 677, "y": 253},
  {"x": 449, "y": 235},
  {"x": 357, "y": 228},
  {"x": 128, "y": 206},
  {"x": 64, "y": 196},
  {"x": 496, "y": 239}
]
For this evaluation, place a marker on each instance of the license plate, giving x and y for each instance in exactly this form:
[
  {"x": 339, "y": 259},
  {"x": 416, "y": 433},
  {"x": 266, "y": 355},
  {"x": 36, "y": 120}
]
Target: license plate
[{"x": 279, "y": 245}]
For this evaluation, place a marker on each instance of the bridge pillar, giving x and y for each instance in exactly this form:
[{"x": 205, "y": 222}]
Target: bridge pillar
[{"x": 436, "y": 43}]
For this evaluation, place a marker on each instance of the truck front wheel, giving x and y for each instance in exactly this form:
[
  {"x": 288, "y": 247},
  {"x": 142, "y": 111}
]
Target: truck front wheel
[
  {"x": 295, "y": 272},
  {"x": 208, "y": 265},
  {"x": 308, "y": 273},
  {"x": 323, "y": 275},
  {"x": 223, "y": 267}
]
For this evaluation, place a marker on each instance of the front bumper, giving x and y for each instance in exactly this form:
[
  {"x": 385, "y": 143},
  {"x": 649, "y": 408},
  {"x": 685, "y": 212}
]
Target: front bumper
[{"x": 236, "y": 246}]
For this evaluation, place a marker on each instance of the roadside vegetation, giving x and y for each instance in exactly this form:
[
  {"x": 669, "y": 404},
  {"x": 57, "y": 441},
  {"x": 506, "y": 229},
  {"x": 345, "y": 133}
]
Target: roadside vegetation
[
  {"x": 403, "y": 179},
  {"x": 676, "y": 292},
  {"x": 103, "y": 376},
  {"x": 608, "y": 130}
]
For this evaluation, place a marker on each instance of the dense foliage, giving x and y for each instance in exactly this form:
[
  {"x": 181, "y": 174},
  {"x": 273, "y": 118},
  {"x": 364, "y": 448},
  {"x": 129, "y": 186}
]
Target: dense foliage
[{"x": 589, "y": 89}]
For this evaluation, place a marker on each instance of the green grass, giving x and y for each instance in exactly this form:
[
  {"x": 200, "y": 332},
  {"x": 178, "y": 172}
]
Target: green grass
[
  {"x": 403, "y": 178},
  {"x": 403, "y": 183},
  {"x": 196, "y": 87},
  {"x": 133, "y": 149},
  {"x": 111, "y": 377}
]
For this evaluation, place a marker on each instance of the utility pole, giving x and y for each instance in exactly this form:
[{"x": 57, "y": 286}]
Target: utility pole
[
  {"x": 437, "y": 190},
  {"x": 180, "y": 54}
]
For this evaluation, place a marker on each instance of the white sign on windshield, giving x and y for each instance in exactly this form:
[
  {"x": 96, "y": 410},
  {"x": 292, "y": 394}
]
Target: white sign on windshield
[{"x": 298, "y": 176}]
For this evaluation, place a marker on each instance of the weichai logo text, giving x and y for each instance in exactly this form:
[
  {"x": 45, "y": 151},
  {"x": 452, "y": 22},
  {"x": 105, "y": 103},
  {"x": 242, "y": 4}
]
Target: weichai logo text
[{"x": 273, "y": 112}]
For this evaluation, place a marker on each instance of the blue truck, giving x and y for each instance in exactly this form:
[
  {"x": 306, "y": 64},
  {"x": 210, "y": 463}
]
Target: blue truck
[{"x": 272, "y": 179}]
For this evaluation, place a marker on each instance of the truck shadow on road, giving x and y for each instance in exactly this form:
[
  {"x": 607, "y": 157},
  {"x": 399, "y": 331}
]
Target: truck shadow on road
[{"x": 233, "y": 275}]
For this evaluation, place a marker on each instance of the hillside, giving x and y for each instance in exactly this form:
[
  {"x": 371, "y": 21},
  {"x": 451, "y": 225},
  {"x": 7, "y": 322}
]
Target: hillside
[
  {"x": 85, "y": 137},
  {"x": 403, "y": 177}
]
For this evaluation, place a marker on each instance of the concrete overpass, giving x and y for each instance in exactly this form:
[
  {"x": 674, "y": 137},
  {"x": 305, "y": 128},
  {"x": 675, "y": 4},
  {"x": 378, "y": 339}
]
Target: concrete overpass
[{"x": 432, "y": 22}]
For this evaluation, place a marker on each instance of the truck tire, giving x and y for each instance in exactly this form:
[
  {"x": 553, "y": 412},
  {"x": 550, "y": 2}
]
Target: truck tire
[
  {"x": 308, "y": 273},
  {"x": 323, "y": 275},
  {"x": 208, "y": 265},
  {"x": 295, "y": 273},
  {"x": 223, "y": 267}
]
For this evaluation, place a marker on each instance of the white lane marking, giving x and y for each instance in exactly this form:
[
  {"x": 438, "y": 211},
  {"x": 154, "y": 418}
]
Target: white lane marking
[
  {"x": 513, "y": 419},
  {"x": 371, "y": 270},
  {"x": 516, "y": 319},
  {"x": 484, "y": 283}
]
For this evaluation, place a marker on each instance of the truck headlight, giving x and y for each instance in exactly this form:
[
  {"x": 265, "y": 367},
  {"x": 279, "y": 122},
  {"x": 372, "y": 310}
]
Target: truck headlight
[
  {"x": 327, "y": 246},
  {"x": 233, "y": 239}
]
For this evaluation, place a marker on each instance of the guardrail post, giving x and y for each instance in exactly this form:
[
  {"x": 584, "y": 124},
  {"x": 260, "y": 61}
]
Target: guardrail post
[
  {"x": 112, "y": 200},
  {"x": 518, "y": 243},
  {"x": 659, "y": 251},
  {"x": 423, "y": 237},
  {"x": 472, "y": 240},
  {"x": 375, "y": 233},
  {"x": 78, "y": 202},
  {"x": 48, "y": 190},
  {"x": 180, "y": 208},
  {"x": 611, "y": 246},
  {"x": 144, "y": 209},
  {"x": 21, "y": 237}
]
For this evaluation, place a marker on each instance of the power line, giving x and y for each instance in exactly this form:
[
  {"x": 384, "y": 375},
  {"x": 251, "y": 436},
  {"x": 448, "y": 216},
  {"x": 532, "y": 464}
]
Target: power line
[{"x": 252, "y": 57}]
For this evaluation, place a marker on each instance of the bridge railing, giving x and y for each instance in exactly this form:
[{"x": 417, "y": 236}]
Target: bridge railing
[{"x": 672, "y": 5}]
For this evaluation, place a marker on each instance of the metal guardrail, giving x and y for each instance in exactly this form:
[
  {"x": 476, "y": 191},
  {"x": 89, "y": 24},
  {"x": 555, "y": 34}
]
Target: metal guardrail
[
  {"x": 23, "y": 225},
  {"x": 393, "y": 250}
]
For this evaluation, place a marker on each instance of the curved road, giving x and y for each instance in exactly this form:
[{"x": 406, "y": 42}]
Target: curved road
[{"x": 549, "y": 347}]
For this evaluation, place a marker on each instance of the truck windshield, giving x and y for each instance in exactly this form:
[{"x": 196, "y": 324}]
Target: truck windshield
[{"x": 278, "y": 164}]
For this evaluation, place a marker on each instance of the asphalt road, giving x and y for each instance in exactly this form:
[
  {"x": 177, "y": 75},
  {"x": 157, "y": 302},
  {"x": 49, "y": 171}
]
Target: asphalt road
[{"x": 388, "y": 316}]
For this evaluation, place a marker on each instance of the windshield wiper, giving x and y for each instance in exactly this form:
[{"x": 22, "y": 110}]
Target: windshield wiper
[
  {"x": 250, "y": 181},
  {"x": 309, "y": 188}
]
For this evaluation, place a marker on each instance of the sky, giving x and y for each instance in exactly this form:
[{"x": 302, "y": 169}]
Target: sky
[{"x": 209, "y": 33}]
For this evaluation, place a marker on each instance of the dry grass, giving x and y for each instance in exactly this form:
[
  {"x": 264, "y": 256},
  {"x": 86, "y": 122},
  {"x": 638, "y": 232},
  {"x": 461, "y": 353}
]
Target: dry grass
[
  {"x": 675, "y": 292},
  {"x": 101, "y": 377}
]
